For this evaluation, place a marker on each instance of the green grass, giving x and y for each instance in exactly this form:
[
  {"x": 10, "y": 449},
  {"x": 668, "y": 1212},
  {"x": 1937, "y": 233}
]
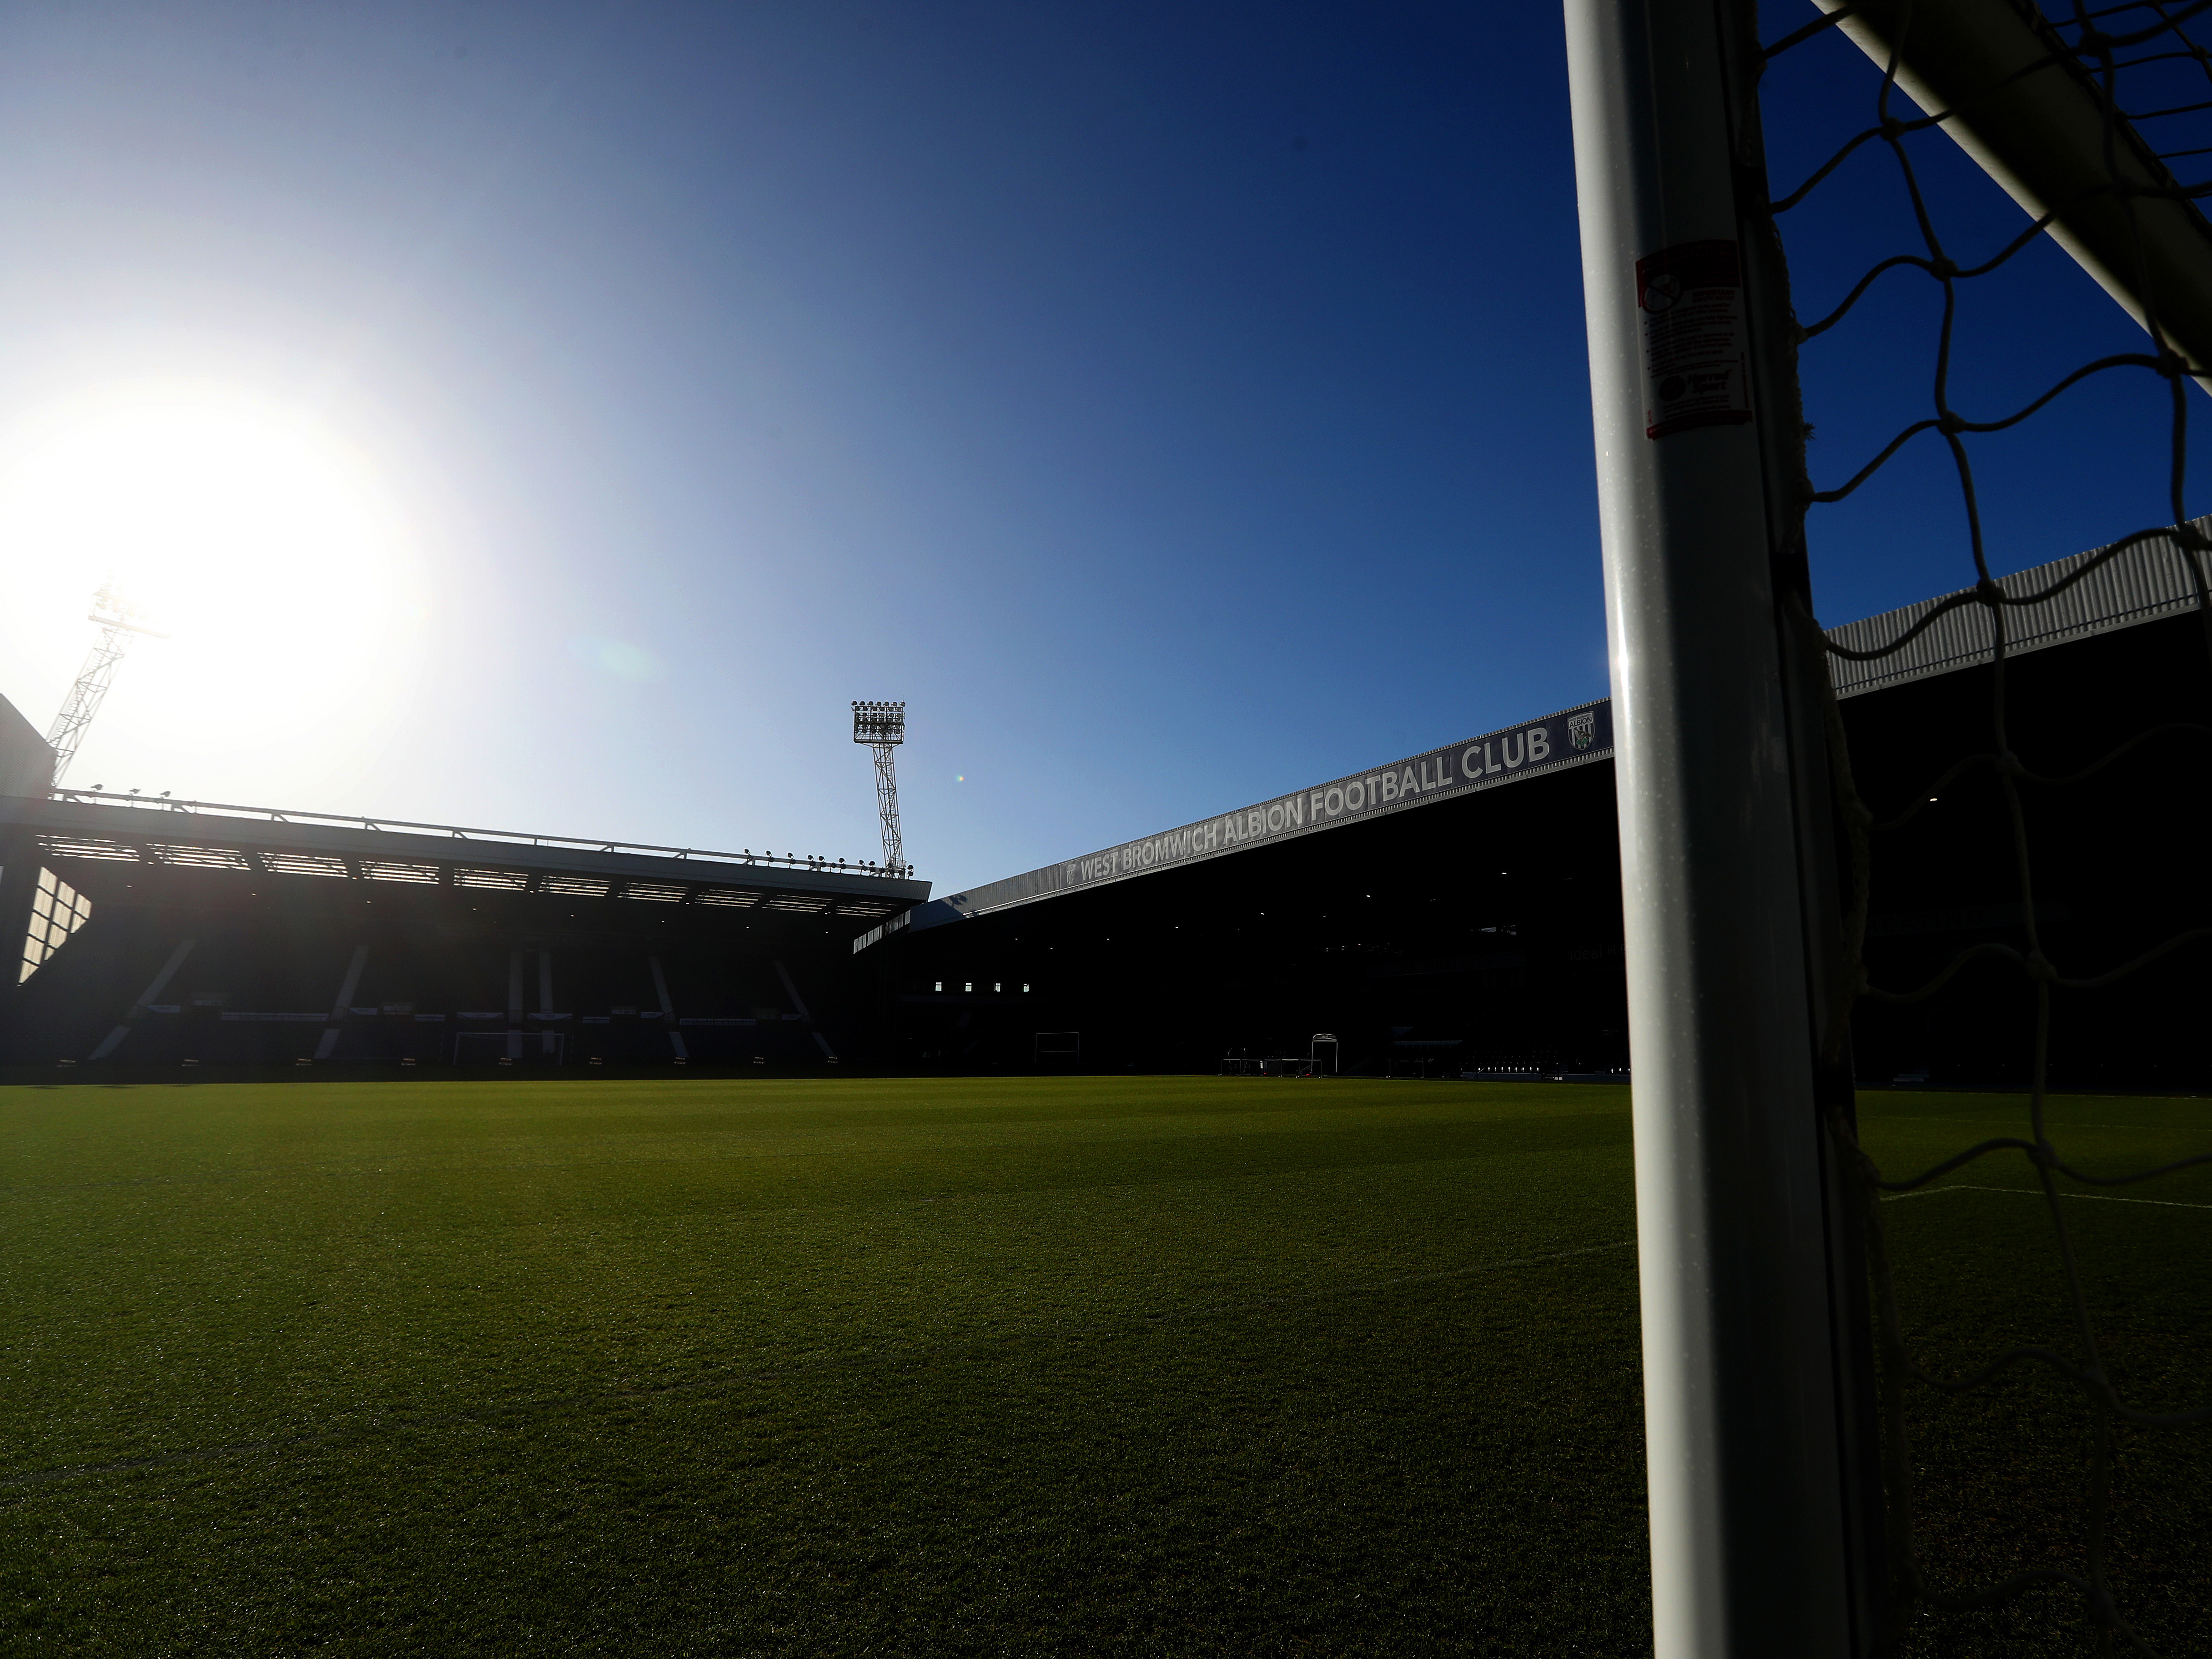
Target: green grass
[
  {"x": 2001, "y": 1475},
  {"x": 1169, "y": 1365}
]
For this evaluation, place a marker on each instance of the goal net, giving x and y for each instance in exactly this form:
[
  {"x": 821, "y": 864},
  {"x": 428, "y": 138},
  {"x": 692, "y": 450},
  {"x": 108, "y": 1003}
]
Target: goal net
[{"x": 1911, "y": 297}]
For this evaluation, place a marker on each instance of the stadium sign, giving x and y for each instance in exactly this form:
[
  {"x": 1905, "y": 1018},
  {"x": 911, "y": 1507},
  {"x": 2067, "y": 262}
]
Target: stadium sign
[
  {"x": 1486, "y": 762},
  {"x": 1571, "y": 737}
]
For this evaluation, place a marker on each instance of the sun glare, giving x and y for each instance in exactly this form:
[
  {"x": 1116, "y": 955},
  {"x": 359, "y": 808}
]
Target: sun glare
[{"x": 263, "y": 544}]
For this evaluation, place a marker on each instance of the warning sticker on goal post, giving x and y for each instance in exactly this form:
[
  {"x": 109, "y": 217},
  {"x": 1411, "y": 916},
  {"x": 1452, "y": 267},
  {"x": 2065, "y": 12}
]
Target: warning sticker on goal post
[{"x": 1697, "y": 352}]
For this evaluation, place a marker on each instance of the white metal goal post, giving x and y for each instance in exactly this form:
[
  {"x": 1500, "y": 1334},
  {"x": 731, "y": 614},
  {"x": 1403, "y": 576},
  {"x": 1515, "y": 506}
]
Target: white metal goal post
[{"x": 1766, "y": 1505}]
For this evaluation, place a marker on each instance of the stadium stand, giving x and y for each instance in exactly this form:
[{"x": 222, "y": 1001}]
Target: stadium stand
[
  {"x": 234, "y": 939},
  {"x": 1470, "y": 925},
  {"x": 1453, "y": 914}
]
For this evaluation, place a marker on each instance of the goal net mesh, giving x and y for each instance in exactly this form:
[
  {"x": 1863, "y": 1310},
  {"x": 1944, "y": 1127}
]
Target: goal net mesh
[{"x": 1973, "y": 405}]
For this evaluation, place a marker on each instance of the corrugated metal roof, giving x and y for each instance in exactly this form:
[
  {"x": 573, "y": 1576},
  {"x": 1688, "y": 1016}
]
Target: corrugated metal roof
[{"x": 2140, "y": 584}]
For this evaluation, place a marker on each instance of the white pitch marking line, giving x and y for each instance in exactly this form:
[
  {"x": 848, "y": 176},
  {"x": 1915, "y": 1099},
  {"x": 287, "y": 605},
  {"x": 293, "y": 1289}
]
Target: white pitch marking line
[
  {"x": 2035, "y": 1192},
  {"x": 2003, "y": 1118}
]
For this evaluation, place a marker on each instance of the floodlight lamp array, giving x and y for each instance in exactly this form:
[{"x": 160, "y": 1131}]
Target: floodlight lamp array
[{"x": 878, "y": 722}]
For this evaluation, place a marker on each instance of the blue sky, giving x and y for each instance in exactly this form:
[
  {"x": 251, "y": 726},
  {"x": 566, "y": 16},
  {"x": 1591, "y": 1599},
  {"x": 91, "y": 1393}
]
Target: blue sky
[{"x": 1175, "y": 404}]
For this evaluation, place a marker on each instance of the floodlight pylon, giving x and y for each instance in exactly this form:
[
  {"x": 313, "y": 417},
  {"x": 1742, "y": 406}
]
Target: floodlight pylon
[
  {"x": 113, "y": 611},
  {"x": 882, "y": 726}
]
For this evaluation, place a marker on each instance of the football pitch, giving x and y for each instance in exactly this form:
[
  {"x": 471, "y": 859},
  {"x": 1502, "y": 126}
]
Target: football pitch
[{"x": 1171, "y": 1365}]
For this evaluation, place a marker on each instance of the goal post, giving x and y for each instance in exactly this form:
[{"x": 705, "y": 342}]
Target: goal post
[
  {"x": 2021, "y": 104},
  {"x": 1757, "y": 1356},
  {"x": 1755, "y": 851}
]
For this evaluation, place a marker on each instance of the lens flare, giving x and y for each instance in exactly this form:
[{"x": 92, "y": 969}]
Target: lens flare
[{"x": 264, "y": 543}]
